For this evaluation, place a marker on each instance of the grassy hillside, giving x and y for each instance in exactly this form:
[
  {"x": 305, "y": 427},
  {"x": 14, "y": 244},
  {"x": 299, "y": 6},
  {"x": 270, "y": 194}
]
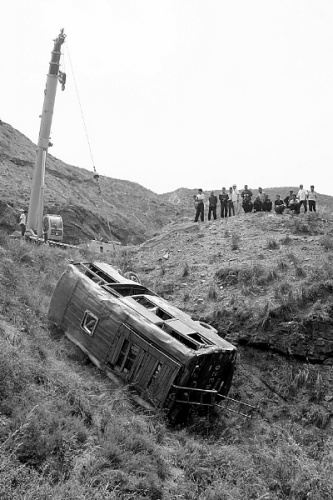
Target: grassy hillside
[
  {"x": 67, "y": 433},
  {"x": 133, "y": 212}
]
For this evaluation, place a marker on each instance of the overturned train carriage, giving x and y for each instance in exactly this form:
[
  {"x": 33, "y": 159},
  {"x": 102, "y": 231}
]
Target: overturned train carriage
[{"x": 135, "y": 336}]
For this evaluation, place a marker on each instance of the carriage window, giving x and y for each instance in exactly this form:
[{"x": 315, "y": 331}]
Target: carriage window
[
  {"x": 89, "y": 323},
  {"x": 153, "y": 308},
  {"x": 155, "y": 374},
  {"x": 127, "y": 356},
  {"x": 133, "y": 352},
  {"x": 184, "y": 339},
  {"x": 201, "y": 340}
]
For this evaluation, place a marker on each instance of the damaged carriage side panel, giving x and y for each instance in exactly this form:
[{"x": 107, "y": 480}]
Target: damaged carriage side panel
[{"x": 140, "y": 339}]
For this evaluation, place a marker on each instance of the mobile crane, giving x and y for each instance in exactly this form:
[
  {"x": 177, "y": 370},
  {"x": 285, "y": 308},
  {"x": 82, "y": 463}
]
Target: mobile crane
[{"x": 48, "y": 226}]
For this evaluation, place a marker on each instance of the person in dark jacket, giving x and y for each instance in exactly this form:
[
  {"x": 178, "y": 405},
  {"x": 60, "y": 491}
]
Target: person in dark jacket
[
  {"x": 224, "y": 197},
  {"x": 212, "y": 205},
  {"x": 267, "y": 204},
  {"x": 247, "y": 196},
  {"x": 294, "y": 204},
  {"x": 279, "y": 205},
  {"x": 257, "y": 205},
  {"x": 288, "y": 198}
]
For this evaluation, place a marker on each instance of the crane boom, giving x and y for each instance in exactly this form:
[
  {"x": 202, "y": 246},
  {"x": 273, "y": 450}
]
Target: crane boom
[{"x": 36, "y": 205}]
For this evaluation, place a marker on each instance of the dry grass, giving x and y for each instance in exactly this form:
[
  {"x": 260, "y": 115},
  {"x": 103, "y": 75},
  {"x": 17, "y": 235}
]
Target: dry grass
[
  {"x": 235, "y": 241},
  {"x": 67, "y": 433},
  {"x": 327, "y": 242},
  {"x": 272, "y": 244}
]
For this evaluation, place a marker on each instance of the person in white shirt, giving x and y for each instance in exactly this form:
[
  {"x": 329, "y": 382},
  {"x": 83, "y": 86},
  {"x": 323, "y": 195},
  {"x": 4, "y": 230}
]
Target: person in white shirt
[
  {"x": 235, "y": 199},
  {"x": 200, "y": 207},
  {"x": 302, "y": 195},
  {"x": 23, "y": 221},
  {"x": 312, "y": 198},
  {"x": 261, "y": 194}
]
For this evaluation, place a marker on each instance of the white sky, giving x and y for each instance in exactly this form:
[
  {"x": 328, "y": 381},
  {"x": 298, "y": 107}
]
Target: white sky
[{"x": 179, "y": 93}]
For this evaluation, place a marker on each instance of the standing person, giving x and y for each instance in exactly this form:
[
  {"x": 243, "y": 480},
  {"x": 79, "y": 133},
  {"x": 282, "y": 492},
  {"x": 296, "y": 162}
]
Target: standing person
[
  {"x": 312, "y": 197},
  {"x": 224, "y": 197},
  {"x": 302, "y": 195},
  {"x": 235, "y": 199},
  {"x": 260, "y": 194},
  {"x": 23, "y": 222},
  {"x": 212, "y": 205},
  {"x": 200, "y": 207},
  {"x": 230, "y": 205}
]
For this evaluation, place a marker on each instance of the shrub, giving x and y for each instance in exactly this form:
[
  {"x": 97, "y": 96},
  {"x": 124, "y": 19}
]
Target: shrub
[
  {"x": 292, "y": 257},
  {"x": 186, "y": 270},
  {"x": 286, "y": 240},
  {"x": 327, "y": 242},
  {"x": 212, "y": 293},
  {"x": 299, "y": 271},
  {"x": 272, "y": 244},
  {"x": 282, "y": 265}
]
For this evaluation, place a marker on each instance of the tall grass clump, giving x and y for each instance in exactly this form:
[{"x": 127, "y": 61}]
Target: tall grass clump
[
  {"x": 292, "y": 257},
  {"x": 272, "y": 244},
  {"x": 212, "y": 293},
  {"x": 235, "y": 241},
  {"x": 327, "y": 242},
  {"x": 282, "y": 265},
  {"x": 186, "y": 269},
  {"x": 286, "y": 240}
]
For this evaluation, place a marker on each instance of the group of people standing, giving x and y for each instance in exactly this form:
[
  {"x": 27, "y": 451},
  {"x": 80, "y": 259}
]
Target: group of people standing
[{"x": 232, "y": 200}]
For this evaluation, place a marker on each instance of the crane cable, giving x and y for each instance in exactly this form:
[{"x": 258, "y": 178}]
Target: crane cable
[{"x": 96, "y": 175}]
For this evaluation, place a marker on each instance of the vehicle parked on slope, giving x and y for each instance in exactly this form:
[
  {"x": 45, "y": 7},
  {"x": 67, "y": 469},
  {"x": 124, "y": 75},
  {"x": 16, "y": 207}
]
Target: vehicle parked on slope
[
  {"x": 53, "y": 228},
  {"x": 137, "y": 337}
]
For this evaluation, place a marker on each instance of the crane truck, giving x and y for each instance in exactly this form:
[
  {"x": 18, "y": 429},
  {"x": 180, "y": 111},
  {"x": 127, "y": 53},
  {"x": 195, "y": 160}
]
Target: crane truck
[{"x": 48, "y": 226}]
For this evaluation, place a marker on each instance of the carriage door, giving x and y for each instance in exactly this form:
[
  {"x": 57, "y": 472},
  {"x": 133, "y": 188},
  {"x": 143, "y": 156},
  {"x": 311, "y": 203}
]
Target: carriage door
[
  {"x": 157, "y": 375},
  {"x": 147, "y": 369}
]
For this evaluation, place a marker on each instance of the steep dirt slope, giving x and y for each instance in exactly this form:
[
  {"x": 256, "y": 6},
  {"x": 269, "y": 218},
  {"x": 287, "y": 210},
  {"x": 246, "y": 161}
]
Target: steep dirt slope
[
  {"x": 133, "y": 212},
  {"x": 260, "y": 278},
  {"x": 68, "y": 433}
]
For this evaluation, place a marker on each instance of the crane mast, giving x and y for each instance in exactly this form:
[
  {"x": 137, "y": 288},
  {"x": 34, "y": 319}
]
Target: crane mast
[{"x": 36, "y": 205}]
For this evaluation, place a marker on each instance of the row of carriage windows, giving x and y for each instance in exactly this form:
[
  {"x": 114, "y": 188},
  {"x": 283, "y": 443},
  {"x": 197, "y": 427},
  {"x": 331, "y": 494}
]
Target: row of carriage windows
[{"x": 193, "y": 341}]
